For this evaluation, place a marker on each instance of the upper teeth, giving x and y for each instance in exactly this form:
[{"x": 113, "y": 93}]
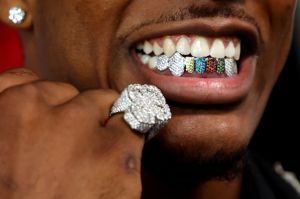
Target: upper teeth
[
  {"x": 196, "y": 47},
  {"x": 218, "y": 49},
  {"x": 183, "y": 46},
  {"x": 200, "y": 47},
  {"x": 169, "y": 47},
  {"x": 157, "y": 49}
]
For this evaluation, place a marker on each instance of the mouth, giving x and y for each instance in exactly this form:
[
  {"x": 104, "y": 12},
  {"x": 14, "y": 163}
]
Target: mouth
[{"x": 200, "y": 62}]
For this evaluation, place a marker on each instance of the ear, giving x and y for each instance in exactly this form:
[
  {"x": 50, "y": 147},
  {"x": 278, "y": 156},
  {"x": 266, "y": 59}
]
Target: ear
[{"x": 6, "y": 5}]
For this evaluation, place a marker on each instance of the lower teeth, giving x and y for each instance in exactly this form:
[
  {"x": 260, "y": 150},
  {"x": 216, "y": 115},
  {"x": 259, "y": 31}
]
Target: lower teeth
[
  {"x": 178, "y": 65},
  {"x": 231, "y": 67}
]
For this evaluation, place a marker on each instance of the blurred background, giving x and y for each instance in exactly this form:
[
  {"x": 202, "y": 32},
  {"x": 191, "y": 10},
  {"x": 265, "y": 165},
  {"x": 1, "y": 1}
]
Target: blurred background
[
  {"x": 11, "y": 55},
  {"x": 297, "y": 32},
  {"x": 277, "y": 137}
]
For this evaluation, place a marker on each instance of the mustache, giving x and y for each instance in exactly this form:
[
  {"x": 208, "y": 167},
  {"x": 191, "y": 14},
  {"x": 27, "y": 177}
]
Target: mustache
[
  {"x": 205, "y": 11},
  {"x": 198, "y": 11}
]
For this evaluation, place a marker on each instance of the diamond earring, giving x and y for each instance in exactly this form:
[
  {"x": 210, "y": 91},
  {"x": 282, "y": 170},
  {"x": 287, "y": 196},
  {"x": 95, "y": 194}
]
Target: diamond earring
[{"x": 16, "y": 15}]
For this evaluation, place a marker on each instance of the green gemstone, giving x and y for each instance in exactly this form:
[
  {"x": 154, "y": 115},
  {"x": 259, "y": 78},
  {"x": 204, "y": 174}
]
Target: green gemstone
[{"x": 220, "y": 66}]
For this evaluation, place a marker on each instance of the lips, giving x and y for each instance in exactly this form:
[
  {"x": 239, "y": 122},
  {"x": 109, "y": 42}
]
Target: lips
[{"x": 205, "y": 62}]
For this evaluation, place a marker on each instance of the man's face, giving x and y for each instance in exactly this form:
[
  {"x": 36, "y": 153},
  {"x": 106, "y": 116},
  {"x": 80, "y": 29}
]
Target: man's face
[{"x": 94, "y": 44}]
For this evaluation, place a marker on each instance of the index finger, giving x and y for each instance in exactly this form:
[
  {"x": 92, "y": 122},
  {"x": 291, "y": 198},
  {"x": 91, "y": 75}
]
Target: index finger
[{"x": 97, "y": 104}]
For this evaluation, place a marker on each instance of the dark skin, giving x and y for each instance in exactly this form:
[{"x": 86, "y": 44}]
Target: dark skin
[{"x": 53, "y": 141}]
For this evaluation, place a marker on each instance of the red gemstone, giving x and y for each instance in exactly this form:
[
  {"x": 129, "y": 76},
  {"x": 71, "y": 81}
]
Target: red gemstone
[{"x": 211, "y": 65}]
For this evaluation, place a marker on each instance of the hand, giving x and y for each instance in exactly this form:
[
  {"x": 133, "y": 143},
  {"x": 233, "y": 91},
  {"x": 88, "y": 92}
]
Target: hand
[{"x": 54, "y": 144}]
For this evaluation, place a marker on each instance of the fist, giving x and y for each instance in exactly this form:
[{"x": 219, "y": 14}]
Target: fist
[{"x": 55, "y": 142}]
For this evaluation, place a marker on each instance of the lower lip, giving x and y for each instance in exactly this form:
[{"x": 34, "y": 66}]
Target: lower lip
[{"x": 198, "y": 90}]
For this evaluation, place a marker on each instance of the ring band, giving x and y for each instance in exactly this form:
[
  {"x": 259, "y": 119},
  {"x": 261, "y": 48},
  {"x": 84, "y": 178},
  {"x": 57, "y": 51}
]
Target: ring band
[{"x": 145, "y": 109}]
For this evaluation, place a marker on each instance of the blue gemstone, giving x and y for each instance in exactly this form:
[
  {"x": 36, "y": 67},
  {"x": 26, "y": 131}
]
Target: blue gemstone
[{"x": 200, "y": 65}]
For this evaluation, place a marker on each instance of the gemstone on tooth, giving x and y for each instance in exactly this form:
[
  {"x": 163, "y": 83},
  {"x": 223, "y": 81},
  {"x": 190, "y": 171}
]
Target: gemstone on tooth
[
  {"x": 169, "y": 47},
  {"x": 183, "y": 46},
  {"x": 148, "y": 48},
  {"x": 157, "y": 49},
  {"x": 211, "y": 65},
  {"x": 153, "y": 62},
  {"x": 218, "y": 49},
  {"x": 177, "y": 63},
  {"x": 162, "y": 63},
  {"x": 230, "y": 67},
  {"x": 200, "y": 65},
  {"x": 230, "y": 50},
  {"x": 190, "y": 64},
  {"x": 220, "y": 66}
]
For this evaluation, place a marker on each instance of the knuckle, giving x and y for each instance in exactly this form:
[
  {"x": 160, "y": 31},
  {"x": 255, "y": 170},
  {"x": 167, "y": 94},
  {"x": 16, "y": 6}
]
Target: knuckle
[
  {"x": 101, "y": 93},
  {"x": 128, "y": 164},
  {"x": 67, "y": 87},
  {"x": 16, "y": 77},
  {"x": 126, "y": 156},
  {"x": 126, "y": 151},
  {"x": 21, "y": 93},
  {"x": 131, "y": 163},
  {"x": 64, "y": 87},
  {"x": 75, "y": 112},
  {"x": 26, "y": 97},
  {"x": 56, "y": 93},
  {"x": 22, "y": 105},
  {"x": 30, "y": 91}
]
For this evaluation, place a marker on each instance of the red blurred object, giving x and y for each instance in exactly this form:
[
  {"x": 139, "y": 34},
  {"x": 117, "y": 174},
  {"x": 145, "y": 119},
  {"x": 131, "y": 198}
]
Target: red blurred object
[{"x": 11, "y": 54}]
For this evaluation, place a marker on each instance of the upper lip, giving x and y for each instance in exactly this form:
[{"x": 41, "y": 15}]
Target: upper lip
[{"x": 211, "y": 27}]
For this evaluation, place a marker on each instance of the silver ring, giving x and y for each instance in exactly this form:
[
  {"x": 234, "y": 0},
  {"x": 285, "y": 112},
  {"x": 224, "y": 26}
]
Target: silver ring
[{"x": 144, "y": 107}]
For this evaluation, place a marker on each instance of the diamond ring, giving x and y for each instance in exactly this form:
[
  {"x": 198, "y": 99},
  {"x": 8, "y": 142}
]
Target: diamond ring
[{"x": 145, "y": 109}]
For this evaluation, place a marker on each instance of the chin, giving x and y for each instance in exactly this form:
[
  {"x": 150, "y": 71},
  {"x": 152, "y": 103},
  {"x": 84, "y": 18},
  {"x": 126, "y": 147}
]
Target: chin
[{"x": 198, "y": 146}]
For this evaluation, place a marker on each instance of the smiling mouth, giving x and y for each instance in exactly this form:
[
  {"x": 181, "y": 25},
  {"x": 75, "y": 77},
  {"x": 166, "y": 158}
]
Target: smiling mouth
[
  {"x": 199, "y": 61},
  {"x": 188, "y": 56}
]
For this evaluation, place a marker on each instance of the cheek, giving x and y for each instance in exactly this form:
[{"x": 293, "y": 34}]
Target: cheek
[
  {"x": 281, "y": 15},
  {"x": 282, "y": 26},
  {"x": 277, "y": 30},
  {"x": 281, "y": 11},
  {"x": 74, "y": 48}
]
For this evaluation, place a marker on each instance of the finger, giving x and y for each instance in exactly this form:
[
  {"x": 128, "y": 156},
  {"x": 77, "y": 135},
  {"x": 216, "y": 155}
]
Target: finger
[
  {"x": 128, "y": 135},
  {"x": 96, "y": 102},
  {"x": 56, "y": 93},
  {"x": 117, "y": 134},
  {"x": 126, "y": 143},
  {"x": 16, "y": 77}
]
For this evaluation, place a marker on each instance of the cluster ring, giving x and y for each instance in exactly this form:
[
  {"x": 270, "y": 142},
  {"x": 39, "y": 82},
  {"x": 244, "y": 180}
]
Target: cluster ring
[{"x": 144, "y": 107}]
